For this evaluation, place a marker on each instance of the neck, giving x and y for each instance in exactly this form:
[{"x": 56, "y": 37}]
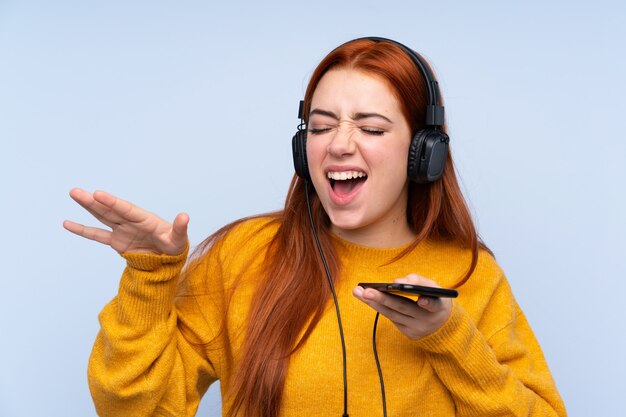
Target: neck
[{"x": 396, "y": 234}]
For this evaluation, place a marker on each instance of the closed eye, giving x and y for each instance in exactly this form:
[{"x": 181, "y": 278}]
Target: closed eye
[
  {"x": 318, "y": 131},
  {"x": 374, "y": 132}
]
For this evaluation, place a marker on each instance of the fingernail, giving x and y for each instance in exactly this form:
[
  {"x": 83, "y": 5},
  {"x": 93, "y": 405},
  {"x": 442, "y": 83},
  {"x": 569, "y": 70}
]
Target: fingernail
[
  {"x": 400, "y": 280},
  {"x": 358, "y": 291}
]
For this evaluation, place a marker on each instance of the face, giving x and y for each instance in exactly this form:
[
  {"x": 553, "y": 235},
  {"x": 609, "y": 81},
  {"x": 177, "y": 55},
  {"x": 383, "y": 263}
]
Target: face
[{"x": 357, "y": 150}]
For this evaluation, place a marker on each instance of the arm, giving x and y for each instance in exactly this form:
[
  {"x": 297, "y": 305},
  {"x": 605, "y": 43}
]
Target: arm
[
  {"x": 141, "y": 365},
  {"x": 495, "y": 368},
  {"x": 504, "y": 375}
]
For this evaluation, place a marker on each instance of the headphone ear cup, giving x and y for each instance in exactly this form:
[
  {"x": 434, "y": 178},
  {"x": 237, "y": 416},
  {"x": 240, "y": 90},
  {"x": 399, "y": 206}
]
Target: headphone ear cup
[
  {"x": 415, "y": 152},
  {"x": 298, "y": 148},
  {"x": 427, "y": 155}
]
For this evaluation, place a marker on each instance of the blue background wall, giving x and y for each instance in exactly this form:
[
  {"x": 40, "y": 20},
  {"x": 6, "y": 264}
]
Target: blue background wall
[{"x": 190, "y": 106}]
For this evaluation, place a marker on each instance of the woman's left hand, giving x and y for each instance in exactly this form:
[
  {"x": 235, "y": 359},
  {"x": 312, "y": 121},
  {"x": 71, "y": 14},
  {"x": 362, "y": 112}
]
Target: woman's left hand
[{"x": 415, "y": 319}]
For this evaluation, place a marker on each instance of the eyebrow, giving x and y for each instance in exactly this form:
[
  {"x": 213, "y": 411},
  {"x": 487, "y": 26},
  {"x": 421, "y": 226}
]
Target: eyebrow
[
  {"x": 359, "y": 116},
  {"x": 356, "y": 116}
]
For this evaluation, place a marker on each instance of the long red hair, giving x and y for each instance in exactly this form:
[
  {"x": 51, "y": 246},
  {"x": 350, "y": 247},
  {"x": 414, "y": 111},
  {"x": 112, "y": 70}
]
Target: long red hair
[{"x": 436, "y": 211}]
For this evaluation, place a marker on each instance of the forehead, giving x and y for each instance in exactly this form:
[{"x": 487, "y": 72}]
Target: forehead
[{"x": 348, "y": 91}]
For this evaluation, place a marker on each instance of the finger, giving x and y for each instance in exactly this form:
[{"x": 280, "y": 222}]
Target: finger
[
  {"x": 389, "y": 312},
  {"x": 104, "y": 214},
  {"x": 125, "y": 209},
  {"x": 91, "y": 233},
  {"x": 430, "y": 304},
  {"x": 102, "y": 219},
  {"x": 371, "y": 294},
  {"x": 179, "y": 231},
  {"x": 398, "y": 303},
  {"x": 179, "y": 227},
  {"x": 416, "y": 279},
  {"x": 403, "y": 305},
  {"x": 395, "y": 316}
]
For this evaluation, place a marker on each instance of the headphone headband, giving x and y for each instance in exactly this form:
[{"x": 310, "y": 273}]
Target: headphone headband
[{"x": 434, "y": 112}]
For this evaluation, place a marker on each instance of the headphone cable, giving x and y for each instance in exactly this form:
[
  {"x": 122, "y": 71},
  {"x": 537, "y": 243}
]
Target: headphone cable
[
  {"x": 332, "y": 290},
  {"x": 380, "y": 371}
]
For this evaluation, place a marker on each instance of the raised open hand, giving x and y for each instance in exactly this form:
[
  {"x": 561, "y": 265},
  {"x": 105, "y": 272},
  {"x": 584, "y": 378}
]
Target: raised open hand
[{"x": 132, "y": 228}]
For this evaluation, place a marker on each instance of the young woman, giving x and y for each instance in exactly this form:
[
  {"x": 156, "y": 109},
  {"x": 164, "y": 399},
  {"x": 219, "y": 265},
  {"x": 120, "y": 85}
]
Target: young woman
[{"x": 254, "y": 306}]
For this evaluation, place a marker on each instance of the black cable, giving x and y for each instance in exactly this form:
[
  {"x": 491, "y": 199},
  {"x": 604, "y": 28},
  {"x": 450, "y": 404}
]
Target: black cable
[
  {"x": 332, "y": 290},
  {"x": 380, "y": 371}
]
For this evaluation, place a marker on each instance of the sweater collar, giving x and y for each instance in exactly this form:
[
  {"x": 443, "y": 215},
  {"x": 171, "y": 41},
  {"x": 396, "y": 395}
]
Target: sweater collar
[{"x": 369, "y": 254}]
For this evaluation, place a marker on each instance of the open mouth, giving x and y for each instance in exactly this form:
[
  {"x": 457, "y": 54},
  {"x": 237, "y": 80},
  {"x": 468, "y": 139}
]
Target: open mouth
[{"x": 345, "y": 182}]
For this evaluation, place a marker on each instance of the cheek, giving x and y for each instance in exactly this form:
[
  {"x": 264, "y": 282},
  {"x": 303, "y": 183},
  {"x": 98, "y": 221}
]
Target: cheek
[
  {"x": 315, "y": 152},
  {"x": 391, "y": 157},
  {"x": 390, "y": 168},
  {"x": 315, "y": 155}
]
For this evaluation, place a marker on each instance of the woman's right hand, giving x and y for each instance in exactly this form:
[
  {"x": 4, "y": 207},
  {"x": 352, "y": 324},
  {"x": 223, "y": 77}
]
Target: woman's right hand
[{"x": 132, "y": 228}]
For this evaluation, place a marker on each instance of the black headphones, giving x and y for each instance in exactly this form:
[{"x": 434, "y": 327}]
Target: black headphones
[{"x": 429, "y": 147}]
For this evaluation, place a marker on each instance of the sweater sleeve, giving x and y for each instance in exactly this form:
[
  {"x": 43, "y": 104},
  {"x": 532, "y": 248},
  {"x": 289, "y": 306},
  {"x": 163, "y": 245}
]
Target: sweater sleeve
[
  {"x": 141, "y": 363},
  {"x": 502, "y": 374}
]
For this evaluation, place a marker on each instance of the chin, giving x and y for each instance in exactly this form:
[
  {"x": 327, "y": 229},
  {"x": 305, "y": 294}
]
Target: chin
[{"x": 346, "y": 221}]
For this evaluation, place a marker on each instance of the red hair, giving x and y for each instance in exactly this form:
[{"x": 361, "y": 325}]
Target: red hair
[{"x": 435, "y": 211}]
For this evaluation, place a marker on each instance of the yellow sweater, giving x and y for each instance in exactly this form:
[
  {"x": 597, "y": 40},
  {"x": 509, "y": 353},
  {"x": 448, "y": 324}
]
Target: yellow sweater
[{"x": 161, "y": 344}]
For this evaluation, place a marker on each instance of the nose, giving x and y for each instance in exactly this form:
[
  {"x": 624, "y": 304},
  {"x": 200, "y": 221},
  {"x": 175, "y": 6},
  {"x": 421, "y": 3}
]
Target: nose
[{"x": 342, "y": 142}]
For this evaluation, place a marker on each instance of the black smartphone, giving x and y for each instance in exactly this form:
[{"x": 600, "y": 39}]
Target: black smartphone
[{"x": 411, "y": 289}]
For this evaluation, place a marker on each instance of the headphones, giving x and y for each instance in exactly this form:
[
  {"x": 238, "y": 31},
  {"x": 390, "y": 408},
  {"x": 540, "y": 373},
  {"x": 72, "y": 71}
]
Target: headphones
[{"x": 429, "y": 146}]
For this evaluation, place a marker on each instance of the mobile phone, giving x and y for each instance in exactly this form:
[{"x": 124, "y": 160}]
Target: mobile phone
[{"x": 411, "y": 289}]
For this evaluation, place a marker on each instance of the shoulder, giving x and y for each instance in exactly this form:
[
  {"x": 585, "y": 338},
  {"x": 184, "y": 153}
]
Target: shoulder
[
  {"x": 486, "y": 277},
  {"x": 449, "y": 262},
  {"x": 486, "y": 295},
  {"x": 250, "y": 231},
  {"x": 240, "y": 240},
  {"x": 489, "y": 298},
  {"x": 244, "y": 237},
  {"x": 232, "y": 250}
]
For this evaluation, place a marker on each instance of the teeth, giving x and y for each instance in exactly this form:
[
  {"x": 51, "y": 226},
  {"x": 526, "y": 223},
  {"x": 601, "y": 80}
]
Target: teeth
[{"x": 345, "y": 175}]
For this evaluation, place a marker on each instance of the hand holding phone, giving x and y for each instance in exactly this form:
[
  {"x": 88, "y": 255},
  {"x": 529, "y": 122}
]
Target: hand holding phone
[{"x": 414, "y": 318}]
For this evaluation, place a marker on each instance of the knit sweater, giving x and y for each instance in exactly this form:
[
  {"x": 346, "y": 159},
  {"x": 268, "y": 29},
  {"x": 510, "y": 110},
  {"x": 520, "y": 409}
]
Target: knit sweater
[{"x": 161, "y": 343}]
